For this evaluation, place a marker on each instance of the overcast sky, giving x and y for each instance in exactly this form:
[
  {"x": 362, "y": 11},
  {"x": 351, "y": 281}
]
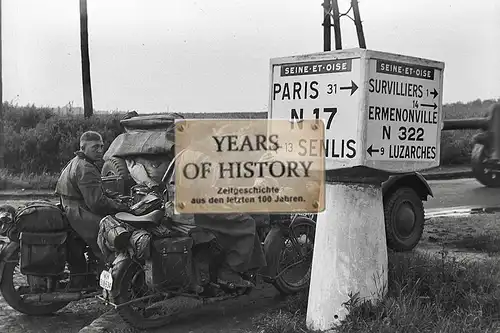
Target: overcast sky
[{"x": 213, "y": 55}]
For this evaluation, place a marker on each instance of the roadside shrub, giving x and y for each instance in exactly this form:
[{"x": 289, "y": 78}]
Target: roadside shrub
[
  {"x": 39, "y": 140},
  {"x": 48, "y": 145},
  {"x": 456, "y": 146},
  {"x": 22, "y": 117}
]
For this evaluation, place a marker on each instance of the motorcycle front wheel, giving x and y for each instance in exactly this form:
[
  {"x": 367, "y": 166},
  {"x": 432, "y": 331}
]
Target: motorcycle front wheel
[
  {"x": 143, "y": 307},
  {"x": 295, "y": 263},
  {"x": 12, "y": 294}
]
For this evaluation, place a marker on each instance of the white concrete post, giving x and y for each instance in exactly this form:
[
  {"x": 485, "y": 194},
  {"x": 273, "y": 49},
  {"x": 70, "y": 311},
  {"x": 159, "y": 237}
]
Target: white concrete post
[{"x": 350, "y": 253}]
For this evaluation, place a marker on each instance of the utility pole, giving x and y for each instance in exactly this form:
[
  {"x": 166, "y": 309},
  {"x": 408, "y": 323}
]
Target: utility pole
[
  {"x": 333, "y": 7},
  {"x": 336, "y": 25},
  {"x": 2, "y": 134},
  {"x": 84, "y": 50},
  {"x": 357, "y": 22},
  {"x": 327, "y": 24}
]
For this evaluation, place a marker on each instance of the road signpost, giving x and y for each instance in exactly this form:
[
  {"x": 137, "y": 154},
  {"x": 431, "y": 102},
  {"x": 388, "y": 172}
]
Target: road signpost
[
  {"x": 380, "y": 110},
  {"x": 382, "y": 114}
]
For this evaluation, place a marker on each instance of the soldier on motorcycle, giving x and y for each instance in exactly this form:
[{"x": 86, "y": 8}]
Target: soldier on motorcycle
[{"x": 83, "y": 199}]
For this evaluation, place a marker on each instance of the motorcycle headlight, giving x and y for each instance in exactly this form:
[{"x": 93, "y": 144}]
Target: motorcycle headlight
[
  {"x": 6, "y": 217},
  {"x": 6, "y": 222}
]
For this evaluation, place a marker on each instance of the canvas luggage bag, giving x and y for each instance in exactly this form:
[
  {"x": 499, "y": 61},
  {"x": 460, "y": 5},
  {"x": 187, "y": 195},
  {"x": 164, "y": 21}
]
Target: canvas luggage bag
[{"x": 38, "y": 216}]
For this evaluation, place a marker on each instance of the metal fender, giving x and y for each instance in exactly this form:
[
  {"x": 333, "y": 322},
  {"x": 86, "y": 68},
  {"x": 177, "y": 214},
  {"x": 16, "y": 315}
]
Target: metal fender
[
  {"x": 7, "y": 251},
  {"x": 273, "y": 245},
  {"x": 300, "y": 219},
  {"x": 118, "y": 269},
  {"x": 309, "y": 216},
  {"x": 413, "y": 180},
  {"x": 425, "y": 183}
]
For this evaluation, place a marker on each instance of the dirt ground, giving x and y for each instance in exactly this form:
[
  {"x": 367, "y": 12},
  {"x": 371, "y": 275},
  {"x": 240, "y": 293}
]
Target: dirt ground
[{"x": 474, "y": 237}]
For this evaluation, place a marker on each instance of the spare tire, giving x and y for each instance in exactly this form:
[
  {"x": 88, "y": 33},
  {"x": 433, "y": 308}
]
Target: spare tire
[
  {"x": 116, "y": 166},
  {"x": 404, "y": 219}
]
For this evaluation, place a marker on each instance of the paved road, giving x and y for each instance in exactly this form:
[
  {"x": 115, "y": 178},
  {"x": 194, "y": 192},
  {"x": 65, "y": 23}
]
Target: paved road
[
  {"x": 447, "y": 193},
  {"x": 461, "y": 192}
]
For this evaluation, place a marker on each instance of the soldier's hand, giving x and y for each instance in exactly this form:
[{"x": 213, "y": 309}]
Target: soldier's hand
[{"x": 123, "y": 207}]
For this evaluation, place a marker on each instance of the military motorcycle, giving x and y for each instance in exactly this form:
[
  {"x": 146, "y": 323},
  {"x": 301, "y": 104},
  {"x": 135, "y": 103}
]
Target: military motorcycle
[
  {"x": 36, "y": 244},
  {"x": 181, "y": 260},
  {"x": 163, "y": 262}
]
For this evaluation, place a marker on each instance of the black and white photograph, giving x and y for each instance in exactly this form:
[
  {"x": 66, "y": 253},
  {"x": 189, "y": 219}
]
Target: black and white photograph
[{"x": 233, "y": 166}]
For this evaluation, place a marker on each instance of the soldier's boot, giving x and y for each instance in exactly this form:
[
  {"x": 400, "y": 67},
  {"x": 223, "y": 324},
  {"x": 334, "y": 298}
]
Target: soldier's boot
[{"x": 228, "y": 276}]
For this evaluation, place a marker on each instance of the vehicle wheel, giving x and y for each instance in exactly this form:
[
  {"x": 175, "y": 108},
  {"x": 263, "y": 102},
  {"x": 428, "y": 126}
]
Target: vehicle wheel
[
  {"x": 295, "y": 263},
  {"x": 478, "y": 156},
  {"x": 116, "y": 166},
  {"x": 404, "y": 219},
  {"x": 12, "y": 295},
  {"x": 138, "y": 315}
]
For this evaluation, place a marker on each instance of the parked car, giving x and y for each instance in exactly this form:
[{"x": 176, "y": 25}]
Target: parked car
[
  {"x": 403, "y": 194},
  {"x": 403, "y": 209}
]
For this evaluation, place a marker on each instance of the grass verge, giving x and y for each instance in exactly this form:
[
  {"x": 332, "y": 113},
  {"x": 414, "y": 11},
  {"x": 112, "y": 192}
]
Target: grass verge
[
  {"x": 44, "y": 181},
  {"x": 487, "y": 243},
  {"x": 426, "y": 294},
  {"x": 476, "y": 233}
]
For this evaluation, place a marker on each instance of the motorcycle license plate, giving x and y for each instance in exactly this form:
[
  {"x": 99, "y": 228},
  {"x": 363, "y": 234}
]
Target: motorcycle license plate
[{"x": 106, "y": 280}]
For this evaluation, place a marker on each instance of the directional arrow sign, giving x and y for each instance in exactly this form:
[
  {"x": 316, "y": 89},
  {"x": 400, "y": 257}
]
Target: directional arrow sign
[
  {"x": 353, "y": 87},
  {"x": 434, "y": 93},
  {"x": 310, "y": 88},
  {"x": 370, "y": 150},
  {"x": 434, "y": 106},
  {"x": 386, "y": 125},
  {"x": 399, "y": 123}
]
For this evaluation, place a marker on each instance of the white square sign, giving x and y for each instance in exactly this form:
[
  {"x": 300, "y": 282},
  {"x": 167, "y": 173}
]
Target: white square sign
[
  {"x": 315, "y": 87},
  {"x": 380, "y": 110}
]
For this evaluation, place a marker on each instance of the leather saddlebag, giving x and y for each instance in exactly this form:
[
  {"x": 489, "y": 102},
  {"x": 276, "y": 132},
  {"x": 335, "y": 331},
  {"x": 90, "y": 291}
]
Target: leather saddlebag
[
  {"x": 170, "y": 263},
  {"x": 43, "y": 254}
]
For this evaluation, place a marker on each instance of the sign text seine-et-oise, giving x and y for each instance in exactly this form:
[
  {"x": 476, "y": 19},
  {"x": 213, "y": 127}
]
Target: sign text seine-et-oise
[{"x": 380, "y": 110}]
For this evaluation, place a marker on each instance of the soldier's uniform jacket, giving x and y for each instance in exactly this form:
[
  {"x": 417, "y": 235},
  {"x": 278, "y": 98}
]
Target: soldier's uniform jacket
[{"x": 83, "y": 198}]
